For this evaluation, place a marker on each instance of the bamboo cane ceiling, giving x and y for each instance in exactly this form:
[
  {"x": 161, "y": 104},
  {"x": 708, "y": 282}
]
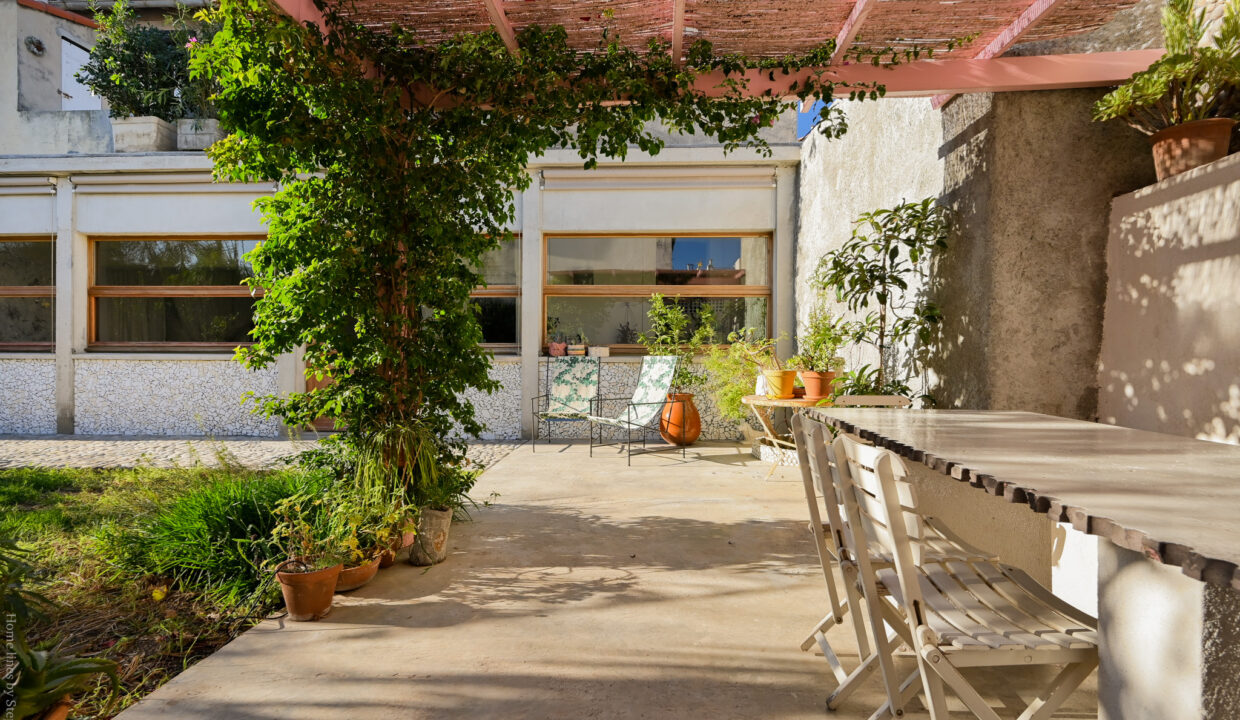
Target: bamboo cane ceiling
[{"x": 752, "y": 27}]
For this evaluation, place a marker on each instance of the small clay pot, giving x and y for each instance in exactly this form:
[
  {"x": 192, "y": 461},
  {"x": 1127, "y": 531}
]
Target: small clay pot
[
  {"x": 1181, "y": 148},
  {"x": 817, "y": 385},
  {"x": 555, "y": 349},
  {"x": 431, "y": 545},
  {"x": 781, "y": 383},
  {"x": 352, "y": 578},
  {"x": 307, "y": 595}
]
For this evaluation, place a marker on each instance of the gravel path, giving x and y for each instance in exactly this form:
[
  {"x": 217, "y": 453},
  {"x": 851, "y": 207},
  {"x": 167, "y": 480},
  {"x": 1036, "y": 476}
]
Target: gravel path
[{"x": 110, "y": 451}]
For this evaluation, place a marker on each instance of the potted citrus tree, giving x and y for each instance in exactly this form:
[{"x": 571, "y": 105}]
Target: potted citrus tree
[
  {"x": 1187, "y": 101},
  {"x": 673, "y": 331}
]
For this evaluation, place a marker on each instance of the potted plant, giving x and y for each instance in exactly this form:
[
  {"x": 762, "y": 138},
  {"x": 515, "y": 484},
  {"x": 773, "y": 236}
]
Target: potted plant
[
  {"x": 819, "y": 362},
  {"x": 579, "y": 345},
  {"x": 368, "y": 522},
  {"x": 140, "y": 71},
  {"x": 1187, "y": 100},
  {"x": 308, "y": 577},
  {"x": 197, "y": 128},
  {"x": 674, "y": 332},
  {"x": 776, "y": 381}
]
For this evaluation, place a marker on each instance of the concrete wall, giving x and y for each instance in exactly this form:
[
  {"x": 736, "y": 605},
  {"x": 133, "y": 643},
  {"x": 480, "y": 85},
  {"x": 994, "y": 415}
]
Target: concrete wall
[
  {"x": 1170, "y": 357},
  {"x": 31, "y": 122}
]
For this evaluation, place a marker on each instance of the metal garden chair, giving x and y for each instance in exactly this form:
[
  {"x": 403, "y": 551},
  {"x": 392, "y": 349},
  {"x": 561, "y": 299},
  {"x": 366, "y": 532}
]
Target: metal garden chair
[
  {"x": 953, "y": 613},
  {"x": 639, "y": 412},
  {"x": 572, "y": 385}
]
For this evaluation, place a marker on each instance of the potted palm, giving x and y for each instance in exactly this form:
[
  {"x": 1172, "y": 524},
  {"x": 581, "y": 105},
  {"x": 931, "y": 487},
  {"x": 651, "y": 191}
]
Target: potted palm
[
  {"x": 308, "y": 577},
  {"x": 674, "y": 332},
  {"x": 1187, "y": 101}
]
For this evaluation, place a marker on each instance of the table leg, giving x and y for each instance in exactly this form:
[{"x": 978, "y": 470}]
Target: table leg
[{"x": 1169, "y": 644}]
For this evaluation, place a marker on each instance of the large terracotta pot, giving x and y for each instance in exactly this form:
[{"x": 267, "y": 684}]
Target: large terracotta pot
[
  {"x": 1181, "y": 148},
  {"x": 817, "y": 385},
  {"x": 307, "y": 595},
  {"x": 431, "y": 544},
  {"x": 355, "y": 577},
  {"x": 780, "y": 383},
  {"x": 680, "y": 423},
  {"x": 59, "y": 711}
]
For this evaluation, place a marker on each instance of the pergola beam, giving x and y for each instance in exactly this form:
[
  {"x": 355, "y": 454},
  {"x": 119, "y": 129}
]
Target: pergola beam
[
  {"x": 852, "y": 26},
  {"x": 502, "y": 25},
  {"x": 1007, "y": 37},
  {"x": 678, "y": 30}
]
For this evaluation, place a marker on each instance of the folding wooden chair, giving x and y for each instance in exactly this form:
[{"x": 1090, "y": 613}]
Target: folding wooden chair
[
  {"x": 952, "y": 613},
  {"x": 819, "y": 473}
]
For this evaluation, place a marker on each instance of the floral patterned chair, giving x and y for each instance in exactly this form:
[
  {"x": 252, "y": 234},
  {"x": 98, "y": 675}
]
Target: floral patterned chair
[
  {"x": 572, "y": 386},
  {"x": 639, "y": 413}
]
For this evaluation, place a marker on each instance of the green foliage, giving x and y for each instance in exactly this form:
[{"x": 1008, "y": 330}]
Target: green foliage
[
  {"x": 217, "y": 538},
  {"x": 405, "y": 462},
  {"x": 396, "y": 163},
  {"x": 820, "y": 344},
  {"x": 1194, "y": 80},
  {"x": 144, "y": 70},
  {"x": 871, "y": 272},
  {"x": 730, "y": 371},
  {"x": 673, "y": 331}
]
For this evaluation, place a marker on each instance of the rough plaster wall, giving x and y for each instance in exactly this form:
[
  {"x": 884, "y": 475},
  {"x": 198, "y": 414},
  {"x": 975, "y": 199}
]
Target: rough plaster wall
[
  {"x": 170, "y": 397},
  {"x": 500, "y": 411},
  {"x": 890, "y": 154},
  {"x": 1136, "y": 28},
  {"x": 41, "y": 132},
  {"x": 38, "y": 77},
  {"x": 618, "y": 379},
  {"x": 28, "y": 396},
  {"x": 1171, "y": 339}
]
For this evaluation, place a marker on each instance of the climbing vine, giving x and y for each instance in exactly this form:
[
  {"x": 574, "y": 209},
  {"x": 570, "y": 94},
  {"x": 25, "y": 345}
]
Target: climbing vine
[{"x": 396, "y": 164}]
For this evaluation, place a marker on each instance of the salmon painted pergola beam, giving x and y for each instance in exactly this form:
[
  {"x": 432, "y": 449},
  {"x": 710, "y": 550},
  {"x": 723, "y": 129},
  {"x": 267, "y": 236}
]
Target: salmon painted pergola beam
[{"x": 864, "y": 24}]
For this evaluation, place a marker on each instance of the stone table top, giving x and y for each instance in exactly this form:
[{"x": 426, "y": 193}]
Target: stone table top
[{"x": 1174, "y": 499}]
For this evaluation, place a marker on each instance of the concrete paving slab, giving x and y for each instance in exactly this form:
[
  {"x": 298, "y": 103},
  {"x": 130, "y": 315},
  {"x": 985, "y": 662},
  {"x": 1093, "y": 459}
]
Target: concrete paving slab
[{"x": 585, "y": 589}]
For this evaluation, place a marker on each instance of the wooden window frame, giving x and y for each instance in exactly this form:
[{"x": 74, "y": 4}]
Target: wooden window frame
[
  {"x": 645, "y": 291},
  {"x": 32, "y": 291},
  {"x": 94, "y": 292},
  {"x": 504, "y": 291}
]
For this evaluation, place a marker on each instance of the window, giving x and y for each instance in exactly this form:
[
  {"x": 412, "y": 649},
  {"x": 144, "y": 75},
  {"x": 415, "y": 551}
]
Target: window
[
  {"x": 601, "y": 286},
  {"x": 499, "y": 302},
  {"x": 161, "y": 293},
  {"x": 27, "y": 294}
]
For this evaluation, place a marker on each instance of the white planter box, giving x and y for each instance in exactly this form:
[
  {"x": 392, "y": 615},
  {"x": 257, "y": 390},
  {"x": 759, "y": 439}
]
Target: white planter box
[
  {"x": 599, "y": 351},
  {"x": 142, "y": 134},
  {"x": 197, "y": 134}
]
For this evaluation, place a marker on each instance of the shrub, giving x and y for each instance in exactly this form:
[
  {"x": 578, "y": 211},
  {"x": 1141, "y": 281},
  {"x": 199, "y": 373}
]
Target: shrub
[{"x": 215, "y": 539}]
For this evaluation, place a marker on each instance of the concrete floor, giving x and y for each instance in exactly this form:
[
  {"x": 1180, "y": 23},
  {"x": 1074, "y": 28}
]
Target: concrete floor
[{"x": 586, "y": 589}]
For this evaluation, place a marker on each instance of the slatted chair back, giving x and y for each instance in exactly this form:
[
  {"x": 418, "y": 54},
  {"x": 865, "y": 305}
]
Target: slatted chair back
[
  {"x": 572, "y": 385},
  {"x": 653, "y": 384},
  {"x": 862, "y": 488},
  {"x": 891, "y": 401}
]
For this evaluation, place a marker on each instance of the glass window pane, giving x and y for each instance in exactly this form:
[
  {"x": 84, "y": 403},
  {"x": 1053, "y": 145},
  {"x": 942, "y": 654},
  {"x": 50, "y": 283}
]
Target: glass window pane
[
  {"x": 27, "y": 263},
  {"x": 498, "y": 316},
  {"x": 658, "y": 261},
  {"x": 172, "y": 262},
  {"x": 502, "y": 266},
  {"x": 619, "y": 321},
  {"x": 174, "y": 319},
  {"x": 27, "y": 320}
]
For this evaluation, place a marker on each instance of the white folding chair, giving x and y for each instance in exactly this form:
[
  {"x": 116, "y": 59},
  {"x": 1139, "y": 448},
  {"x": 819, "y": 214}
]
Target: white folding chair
[
  {"x": 952, "y": 613},
  {"x": 819, "y": 473}
]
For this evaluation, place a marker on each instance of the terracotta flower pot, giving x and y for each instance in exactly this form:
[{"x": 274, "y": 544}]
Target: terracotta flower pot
[
  {"x": 352, "y": 578},
  {"x": 1181, "y": 148},
  {"x": 59, "y": 711},
  {"x": 307, "y": 595},
  {"x": 555, "y": 349},
  {"x": 817, "y": 385},
  {"x": 680, "y": 423},
  {"x": 780, "y": 383},
  {"x": 431, "y": 545}
]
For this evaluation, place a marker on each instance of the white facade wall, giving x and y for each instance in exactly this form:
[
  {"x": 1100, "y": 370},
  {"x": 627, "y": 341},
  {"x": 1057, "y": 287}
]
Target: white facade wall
[{"x": 79, "y": 198}]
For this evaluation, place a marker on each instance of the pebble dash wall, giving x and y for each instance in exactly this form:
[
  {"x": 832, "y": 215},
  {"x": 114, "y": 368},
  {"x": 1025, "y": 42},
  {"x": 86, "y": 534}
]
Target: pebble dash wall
[
  {"x": 169, "y": 397},
  {"x": 28, "y": 396}
]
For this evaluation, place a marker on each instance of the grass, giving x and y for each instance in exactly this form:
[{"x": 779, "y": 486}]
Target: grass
[{"x": 152, "y": 568}]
